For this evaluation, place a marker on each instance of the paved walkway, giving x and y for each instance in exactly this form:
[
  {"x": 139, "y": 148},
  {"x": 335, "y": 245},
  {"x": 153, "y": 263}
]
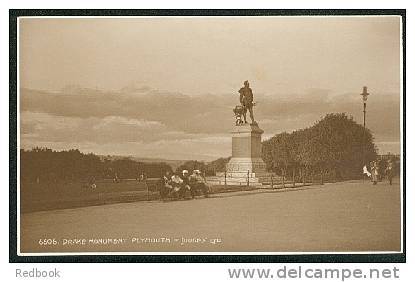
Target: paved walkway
[{"x": 341, "y": 217}]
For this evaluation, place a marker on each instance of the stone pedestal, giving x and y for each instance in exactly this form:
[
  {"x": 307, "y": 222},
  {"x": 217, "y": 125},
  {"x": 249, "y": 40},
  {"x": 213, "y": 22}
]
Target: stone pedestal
[
  {"x": 246, "y": 164},
  {"x": 246, "y": 150}
]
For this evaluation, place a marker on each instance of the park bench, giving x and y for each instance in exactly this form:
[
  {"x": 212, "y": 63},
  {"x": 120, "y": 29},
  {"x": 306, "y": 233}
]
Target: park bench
[{"x": 153, "y": 186}]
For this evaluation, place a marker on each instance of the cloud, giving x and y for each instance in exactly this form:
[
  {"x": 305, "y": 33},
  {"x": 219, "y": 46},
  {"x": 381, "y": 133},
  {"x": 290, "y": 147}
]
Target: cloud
[
  {"x": 118, "y": 135},
  {"x": 177, "y": 111},
  {"x": 46, "y": 127},
  {"x": 158, "y": 119},
  {"x": 291, "y": 112}
]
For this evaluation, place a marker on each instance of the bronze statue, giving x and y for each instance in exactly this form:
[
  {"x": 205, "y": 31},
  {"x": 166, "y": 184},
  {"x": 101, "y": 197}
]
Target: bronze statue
[{"x": 246, "y": 98}]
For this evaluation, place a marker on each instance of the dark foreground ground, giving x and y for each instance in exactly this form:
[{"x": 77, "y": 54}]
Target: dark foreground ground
[{"x": 348, "y": 216}]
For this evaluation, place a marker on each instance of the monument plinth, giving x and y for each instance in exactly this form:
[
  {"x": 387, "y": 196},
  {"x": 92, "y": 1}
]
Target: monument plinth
[
  {"x": 246, "y": 150},
  {"x": 246, "y": 165}
]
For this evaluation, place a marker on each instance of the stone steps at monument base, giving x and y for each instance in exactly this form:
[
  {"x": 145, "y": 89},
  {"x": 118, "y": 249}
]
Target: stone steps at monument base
[{"x": 251, "y": 175}]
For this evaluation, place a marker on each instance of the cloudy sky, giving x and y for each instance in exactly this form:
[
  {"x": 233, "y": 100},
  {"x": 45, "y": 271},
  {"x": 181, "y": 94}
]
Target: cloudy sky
[{"x": 165, "y": 88}]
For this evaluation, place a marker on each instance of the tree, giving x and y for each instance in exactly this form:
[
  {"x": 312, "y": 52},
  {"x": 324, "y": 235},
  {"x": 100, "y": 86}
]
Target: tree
[
  {"x": 336, "y": 144},
  {"x": 218, "y": 165},
  {"x": 279, "y": 153}
]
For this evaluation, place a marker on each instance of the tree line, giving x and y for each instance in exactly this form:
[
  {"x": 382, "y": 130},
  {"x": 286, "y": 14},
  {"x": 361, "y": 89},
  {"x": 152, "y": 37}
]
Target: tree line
[
  {"x": 47, "y": 165},
  {"x": 335, "y": 147}
]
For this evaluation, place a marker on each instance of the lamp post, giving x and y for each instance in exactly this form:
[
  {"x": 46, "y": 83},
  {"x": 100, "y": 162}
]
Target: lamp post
[{"x": 364, "y": 98}]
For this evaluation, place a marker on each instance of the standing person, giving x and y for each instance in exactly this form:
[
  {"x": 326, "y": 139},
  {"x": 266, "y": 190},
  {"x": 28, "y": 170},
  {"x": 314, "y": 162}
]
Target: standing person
[
  {"x": 166, "y": 186},
  {"x": 375, "y": 172},
  {"x": 185, "y": 184},
  {"x": 389, "y": 171},
  {"x": 371, "y": 170},
  {"x": 116, "y": 179},
  {"x": 193, "y": 184},
  {"x": 366, "y": 171}
]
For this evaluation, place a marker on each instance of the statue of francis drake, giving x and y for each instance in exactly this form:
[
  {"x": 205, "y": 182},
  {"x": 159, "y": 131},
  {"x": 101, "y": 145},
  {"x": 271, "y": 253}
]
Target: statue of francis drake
[{"x": 246, "y": 98}]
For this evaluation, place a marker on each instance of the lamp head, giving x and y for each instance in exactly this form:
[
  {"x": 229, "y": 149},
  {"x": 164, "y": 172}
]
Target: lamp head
[{"x": 364, "y": 94}]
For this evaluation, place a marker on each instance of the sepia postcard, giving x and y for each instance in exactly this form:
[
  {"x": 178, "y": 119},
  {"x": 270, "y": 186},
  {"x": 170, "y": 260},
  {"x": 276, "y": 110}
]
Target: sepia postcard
[{"x": 239, "y": 134}]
